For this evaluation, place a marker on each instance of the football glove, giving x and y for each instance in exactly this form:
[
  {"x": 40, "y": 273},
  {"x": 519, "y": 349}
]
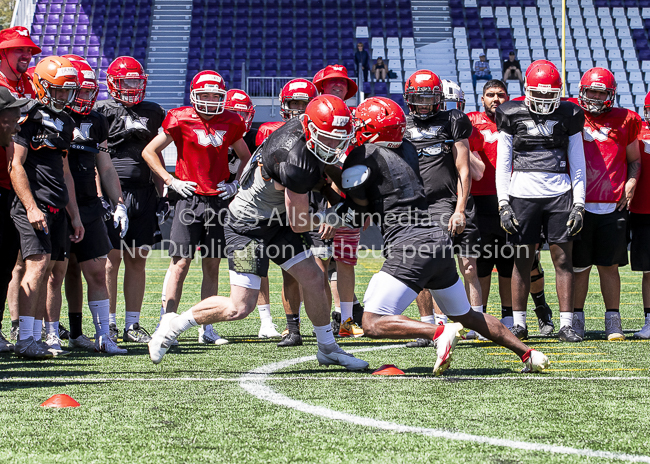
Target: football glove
[
  {"x": 108, "y": 209},
  {"x": 183, "y": 188},
  {"x": 509, "y": 222},
  {"x": 228, "y": 189},
  {"x": 121, "y": 218},
  {"x": 574, "y": 224},
  {"x": 163, "y": 210}
]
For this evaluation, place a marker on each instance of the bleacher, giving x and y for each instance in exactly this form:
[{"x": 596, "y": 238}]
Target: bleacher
[{"x": 611, "y": 34}]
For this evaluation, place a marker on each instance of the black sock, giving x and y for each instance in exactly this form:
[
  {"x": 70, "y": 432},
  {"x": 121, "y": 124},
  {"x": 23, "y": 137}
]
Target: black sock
[
  {"x": 506, "y": 311},
  {"x": 293, "y": 321},
  {"x": 75, "y": 324},
  {"x": 15, "y": 324},
  {"x": 646, "y": 311},
  {"x": 615, "y": 310},
  {"x": 578, "y": 310},
  {"x": 539, "y": 299}
]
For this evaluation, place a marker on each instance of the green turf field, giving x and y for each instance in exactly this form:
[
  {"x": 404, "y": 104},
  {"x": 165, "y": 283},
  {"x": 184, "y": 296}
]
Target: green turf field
[{"x": 250, "y": 401}]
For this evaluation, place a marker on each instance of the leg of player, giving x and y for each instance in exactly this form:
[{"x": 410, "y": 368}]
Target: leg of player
[
  {"x": 543, "y": 311},
  {"x": 563, "y": 263},
  {"x": 53, "y": 303},
  {"x": 505, "y": 295},
  {"x": 267, "y": 328},
  {"x": 75, "y": 298},
  {"x": 178, "y": 269},
  {"x": 469, "y": 271},
  {"x": 644, "y": 333},
  {"x": 426, "y": 307},
  {"x": 210, "y": 287},
  {"x": 292, "y": 301},
  {"x": 345, "y": 286},
  {"x": 112, "y": 271},
  {"x": 135, "y": 279},
  {"x": 324, "y": 264},
  {"x": 581, "y": 288},
  {"x": 610, "y": 287},
  {"x": 524, "y": 256},
  {"x": 12, "y": 296}
]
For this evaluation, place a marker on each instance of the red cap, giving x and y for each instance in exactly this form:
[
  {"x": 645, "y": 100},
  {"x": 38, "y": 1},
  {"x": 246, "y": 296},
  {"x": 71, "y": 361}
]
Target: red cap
[
  {"x": 334, "y": 71},
  {"x": 17, "y": 36}
]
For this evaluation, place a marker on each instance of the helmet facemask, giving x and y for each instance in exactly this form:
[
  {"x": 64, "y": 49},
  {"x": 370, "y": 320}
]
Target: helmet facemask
[
  {"x": 57, "y": 97},
  {"x": 208, "y": 107},
  {"x": 418, "y": 101},
  {"x": 595, "y": 105},
  {"x": 128, "y": 90},
  {"x": 542, "y": 99},
  {"x": 327, "y": 146},
  {"x": 289, "y": 113}
]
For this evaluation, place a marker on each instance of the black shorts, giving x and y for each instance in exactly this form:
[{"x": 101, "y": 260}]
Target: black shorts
[
  {"x": 322, "y": 249},
  {"x": 141, "y": 205},
  {"x": 95, "y": 243},
  {"x": 467, "y": 244},
  {"x": 9, "y": 242},
  {"x": 421, "y": 258},
  {"x": 37, "y": 242},
  {"x": 250, "y": 248},
  {"x": 546, "y": 216},
  {"x": 198, "y": 221},
  {"x": 603, "y": 240},
  {"x": 495, "y": 249},
  {"x": 640, "y": 245}
]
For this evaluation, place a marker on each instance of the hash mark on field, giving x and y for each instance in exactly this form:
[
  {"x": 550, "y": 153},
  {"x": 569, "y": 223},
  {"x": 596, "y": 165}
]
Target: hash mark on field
[
  {"x": 551, "y": 353},
  {"x": 574, "y": 362}
]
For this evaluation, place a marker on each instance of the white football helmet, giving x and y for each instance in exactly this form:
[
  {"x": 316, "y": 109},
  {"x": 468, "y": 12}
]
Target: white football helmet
[{"x": 453, "y": 96}]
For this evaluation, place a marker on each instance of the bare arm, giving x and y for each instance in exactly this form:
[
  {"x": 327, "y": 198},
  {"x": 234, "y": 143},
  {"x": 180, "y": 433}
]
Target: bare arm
[
  {"x": 633, "y": 156},
  {"x": 243, "y": 153},
  {"x": 16, "y": 158},
  {"x": 297, "y": 205},
  {"x": 72, "y": 208},
  {"x": 108, "y": 176},
  {"x": 476, "y": 165},
  {"x": 151, "y": 156},
  {"x": 461, "y": 158}
]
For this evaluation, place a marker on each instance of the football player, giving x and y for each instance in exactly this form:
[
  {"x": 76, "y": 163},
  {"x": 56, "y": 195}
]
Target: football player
[
  {"x": 640, "y": 221},
  {"x": 613, "y": 165},
  {"x": 202, "y": 134},
  {"x": 44, "y": 186},
  {"x": 540, "y": 181},
  {"x": 268, "y": 220},
  {"x": 382, "y": 177},
  {"x": 133, "y": 123}
]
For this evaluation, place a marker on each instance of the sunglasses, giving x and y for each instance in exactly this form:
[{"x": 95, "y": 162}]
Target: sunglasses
[{"x": 492, "y": 95}]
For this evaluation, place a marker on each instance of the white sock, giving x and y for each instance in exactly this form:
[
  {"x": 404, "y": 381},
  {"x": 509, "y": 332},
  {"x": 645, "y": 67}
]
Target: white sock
[
  {"x": 164, "y": 287},
  {"x": 26, "y": 327},
  {"x": 519, "y": 318},
  {"x": 337, "y": 309},
  {"x": 324, "y": 335},
  {"x": 647, "y": 319},
  {"x": 300, "y": 307},
  {"x": 428, "y": 319},
  {"x": 438, "y": 318},
  {"x": 52, "y": 328},
  {"x": 346, "y": 311},
  {"x": 37, "y": 328},
  {"x": 131, "y": 318},
  {"x": 508, "y": 321},
  {"x": 265, "y": 313},
  {"x": 99, "y": 309},
  {"x": 478, "y": 309},
  {"x": 112, "y": 318},
  {"x": 183, "y": 322},
  {"x": 566, "y": 319}
]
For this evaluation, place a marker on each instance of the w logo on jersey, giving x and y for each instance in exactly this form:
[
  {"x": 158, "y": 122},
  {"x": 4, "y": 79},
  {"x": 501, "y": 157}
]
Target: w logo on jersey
[
  {"x": 83, "y": 131},
  {"x": 591, "y": 135},
  {"x": 47, "y": 121},
  {"x": 416, "y": 134},
  {"x": 136, "y": 124},
  {"x": 489, "y": 136},
  {"x": 535, "y": 130},
  {"x": 216, "y": 139}
]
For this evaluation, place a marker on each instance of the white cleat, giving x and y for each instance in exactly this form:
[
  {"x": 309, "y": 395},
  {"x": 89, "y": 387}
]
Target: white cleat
[
  {"x": 162, "y": 338},
  {"x": 578, "y": 323},
  {"x": 445, "y": 344},
  {"x": 341, "y": 358},
  {"x": 81, "y": 342},
  {"x": 644, "y": 333},
  {"x": 53, "y": 345},
  {"x": 268, "y": 330},
  {"x": 536, "y": 362},
  {"x": 105, "y": 344},
  {"x": 208, "y": 336},
  {"x": 474, "y": 335},
  {"x": 613, "y": 328},
  {"x": 175, "y": 342}
]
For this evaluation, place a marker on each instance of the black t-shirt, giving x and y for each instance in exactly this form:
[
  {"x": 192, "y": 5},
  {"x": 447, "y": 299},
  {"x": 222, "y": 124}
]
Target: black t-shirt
[
  {"x": 89, "y": 132},
  {"x": 434, "y": 139},
  {"x": 47, "y": 135},
  {"x": 509, "y": 64},
  {"x": 286, "y": 159},
  {"x": 130, "y": 130}
]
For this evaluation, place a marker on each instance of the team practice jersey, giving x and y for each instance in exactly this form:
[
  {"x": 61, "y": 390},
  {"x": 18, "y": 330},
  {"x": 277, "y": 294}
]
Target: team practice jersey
[
  {"x": 130, "y": 130},
  {"x": 484, "y": 141},
  {"x": 202, "y": 146},
  {"x": 267, "y": 129},
  {"x": 641, "y": 200}
]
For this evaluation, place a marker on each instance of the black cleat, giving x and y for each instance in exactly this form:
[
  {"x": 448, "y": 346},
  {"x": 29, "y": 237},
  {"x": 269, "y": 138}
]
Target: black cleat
[
  {"x": 136, "y": 334},
  {"x": 420, "y": 343},
  {"x": 64, "y": 334},
  {"x": 545, "y": 320},
  {"x": 520, "y": 332},
  {"x": 357, "y": 314},
  {"x": 291, "y": 339},
  {"x": 112, "y": 332},
  {"x": 567, "y": 334},
  {"x": 336, "y": 322}
]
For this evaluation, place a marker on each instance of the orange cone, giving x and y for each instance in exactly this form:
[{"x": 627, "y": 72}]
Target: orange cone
[
  {"x": 60, "y": 401},
  {"x": 388, "y": 369}
]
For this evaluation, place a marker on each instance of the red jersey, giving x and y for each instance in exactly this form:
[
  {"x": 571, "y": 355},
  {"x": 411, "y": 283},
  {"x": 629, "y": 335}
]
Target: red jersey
[
  {"x": 641, "y": 201},
  {"x": 19, "y": 89},
  {"x": 267, "y": 129},
  {"x": 203, "y": 145},
  {"x": 606, "y": 137},
  {"x": 484, "y": 140}
]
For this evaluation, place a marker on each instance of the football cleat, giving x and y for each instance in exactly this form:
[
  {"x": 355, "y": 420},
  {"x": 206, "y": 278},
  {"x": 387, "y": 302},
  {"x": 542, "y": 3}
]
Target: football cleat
[
  {"x": 336, "y": 322},
  {"x": 28, "y": 348},
  {"x": 507, "y": 321},
  {"x": 82, "y": 342},
  {"x": 13, "y": 334},
  {"x": 162, "y": 338},
  {"x": 357, "y": 313},
  {"x": 644, "y": 333},
  {"x": 268, "y": 330},
  {"x": 545, "y": 320},
  {"x": 474, "y": 335},
  {"x": 5, "y": 346},
  {"x": 208, "y": 336},
  {"x": 291, "y": 339},
  {"x": 446, "y": 342},
  {"x": 578, "y": 323},
  {"x": 341, "y": 358},
  {"x": 420, "y": 343},
  {"x": 53, "y": 343},
  {"x": 534, "y": 361},
  {"x": 104, "y": 344},
  {"x": 567, "y": 334},
  {"x": 613, "y": 328},
  {"x": 136, "y": 334},
  {"x": 350, "y": 329},
  {"x": 113, "y": 332},
  {"x": 520, "y": 332}
]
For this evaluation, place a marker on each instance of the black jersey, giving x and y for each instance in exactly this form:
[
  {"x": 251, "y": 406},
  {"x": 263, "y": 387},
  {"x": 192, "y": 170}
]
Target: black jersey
[
  {"x": 394, "y": 187},
  {"x": 540, "y": 142},
  {"x": 47, "y": 136},
  {"x": 130, "y": 130},
  {"x": 434, "y": 139}
]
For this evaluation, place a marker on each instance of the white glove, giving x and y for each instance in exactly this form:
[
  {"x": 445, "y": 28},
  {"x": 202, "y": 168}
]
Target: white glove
[
  {"x": 228, "y": 189},
  {"x": 121, "y": 218},
  {"x": 183, "y": 188}
]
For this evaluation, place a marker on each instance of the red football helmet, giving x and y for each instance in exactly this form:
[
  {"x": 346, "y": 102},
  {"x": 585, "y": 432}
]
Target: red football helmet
[
  {"x": 126, "y": 80},
  {"x": 88, "y": 86},
  {"x": 537, "y": 62},
  {"x": 208, "y": 84},
  {"x": 597, "y": 79},
  {"x": 335, "y": 71},
  {"x": 646, "y": 108},
  {"x": 380, "y": 121},
  {"x": 422, "y": 90},
  {"x": 300, "y": 90},
  {"x": 239, "y": 102},
  {"x": 542, "y": 88},
  {"x": 328, "y": 127}
]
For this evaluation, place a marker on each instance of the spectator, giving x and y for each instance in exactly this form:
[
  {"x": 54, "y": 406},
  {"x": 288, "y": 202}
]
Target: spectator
[
  {"x": 362, "y": 61},
  {"x": 481, "y": 69},
  {"x": 379, "y": 69},
  {"x": 512, "y": 68}
]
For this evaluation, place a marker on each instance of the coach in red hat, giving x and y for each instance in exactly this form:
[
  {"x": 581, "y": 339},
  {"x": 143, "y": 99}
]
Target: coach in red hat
[
  {"x": 16, "y": 51},
  {"x": 334, "y": 80}
]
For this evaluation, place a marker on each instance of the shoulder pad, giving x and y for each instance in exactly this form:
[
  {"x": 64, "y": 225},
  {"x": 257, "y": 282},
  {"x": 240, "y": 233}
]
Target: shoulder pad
[{"x": 354, "y": 177}]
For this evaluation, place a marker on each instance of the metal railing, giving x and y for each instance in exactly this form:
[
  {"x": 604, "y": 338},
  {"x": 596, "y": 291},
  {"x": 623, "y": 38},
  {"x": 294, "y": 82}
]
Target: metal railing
[
  {"x": 269, "y": 87},
  {"x": 23, "y": 13}
]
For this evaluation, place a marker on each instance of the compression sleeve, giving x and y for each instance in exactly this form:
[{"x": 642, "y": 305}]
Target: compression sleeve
[
  {"x": 577, "y": 167},
  {"x": 504, "y": 166}
]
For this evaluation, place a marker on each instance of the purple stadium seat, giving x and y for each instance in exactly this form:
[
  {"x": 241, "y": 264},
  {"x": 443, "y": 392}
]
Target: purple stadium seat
[
  {"x": 140, "y": 54},
  {"x": 70, "y": 9},
  {"x": 37, "y": 29},
  {"x": 53, "y": 19},
  {"x": 41, "y": 8},
  {"x": 68, "y": 19},
  {"x": 225, "y": 53},
  {"x": 94, "y": 40},
  {"x": 455, "y": 22},
  {"x": 367, "y": 88},
  {"x": 62, "y": 50},
  {"x": 255, "y": 64},
  {"x": 111, "y": 41},
  {"x": 55, "y": 8},
  {"x": 66, "y": 29},
  {"x": 472, "y": 23},
  {"x": 474, "y": 33},
  {"x": 193, "y": 65},
  {"x": 456, "y": 12},
  {"x": 51, "y": 29},
  {"x": 487, "y": 22},
  {"x": 109, "y": 52},
  {"x": 490, "y": 34},
  {"x": 79, "y": 50},
  {"x": 39, "y": 19},
  {"x": 104, "y": 62},
  {"x": 271, "y": 53},
  {"x": 48, "y": 40},
  {"x": 332, "y": 44},
  {"x": 406, "y": 23},
  {"x": 475, "y": 43},
  {"x": 332, "y": 54},
  {"x": 491, "y": 42},
  {"x": 47, "y": 50},
  {"x": 64, "y": 40},
  {"x": 140, "y": 42},
  {"x": 302, "y": 65},
  {"x": 285, "y": 65},
  {"x": 270, "y": 72},
  {"x": 124, "y": 51},
  {"x": 209, "y": 64},
  {"x": 195, "y": 42}
]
